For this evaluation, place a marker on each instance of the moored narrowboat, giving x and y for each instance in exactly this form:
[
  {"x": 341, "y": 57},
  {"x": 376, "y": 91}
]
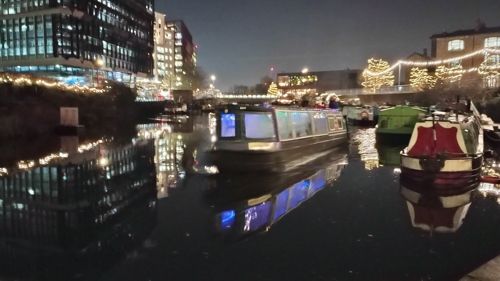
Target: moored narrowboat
[
  {"x": 361, "y": 116},
  {"x": 271, "y": 139},
  {"x": 445, "y": 151},
  {"x": 395, "y": 124}
]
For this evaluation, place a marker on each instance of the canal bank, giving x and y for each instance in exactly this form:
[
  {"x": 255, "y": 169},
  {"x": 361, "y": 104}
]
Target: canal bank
[{"x": 33, "y": 111}]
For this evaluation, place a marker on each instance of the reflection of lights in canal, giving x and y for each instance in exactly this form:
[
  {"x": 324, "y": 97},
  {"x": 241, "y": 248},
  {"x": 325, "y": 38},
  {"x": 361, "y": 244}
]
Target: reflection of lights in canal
[
  {"x": 489, "y": 189},
  {"x": 365, "y": 141}
]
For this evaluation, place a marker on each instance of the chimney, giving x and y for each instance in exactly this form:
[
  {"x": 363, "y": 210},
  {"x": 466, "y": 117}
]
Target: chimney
[{"x": 480, "y": 25}]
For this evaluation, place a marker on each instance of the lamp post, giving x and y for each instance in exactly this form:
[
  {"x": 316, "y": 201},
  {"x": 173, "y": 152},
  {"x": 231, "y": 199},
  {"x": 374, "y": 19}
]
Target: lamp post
[{"x": 213, "y": 78}]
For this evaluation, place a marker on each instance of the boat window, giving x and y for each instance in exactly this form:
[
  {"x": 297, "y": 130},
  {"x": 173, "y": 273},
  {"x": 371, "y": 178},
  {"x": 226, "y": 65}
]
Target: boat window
[
  {"x": 340, "y": 123},
  {"x": 228, "y": 125},
  {"x": 302, "y": 124},
  {"x": 320, "y": 123},
  {"x": 285, "y": 127},
  {"x": 333, "y": 123},
  {"x": 259, "y": 126}
]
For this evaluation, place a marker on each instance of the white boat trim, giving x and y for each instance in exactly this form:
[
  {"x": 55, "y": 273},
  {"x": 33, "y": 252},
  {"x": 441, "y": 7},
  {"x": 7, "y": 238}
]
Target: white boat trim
[{"x": 450, "y": 165}]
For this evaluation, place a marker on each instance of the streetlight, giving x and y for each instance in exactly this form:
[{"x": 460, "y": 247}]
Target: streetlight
[{"x": 305, "y": 70}]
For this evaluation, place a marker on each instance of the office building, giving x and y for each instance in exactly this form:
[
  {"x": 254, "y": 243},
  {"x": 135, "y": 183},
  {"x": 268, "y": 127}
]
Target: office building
[{"x": 77, "y": 41}]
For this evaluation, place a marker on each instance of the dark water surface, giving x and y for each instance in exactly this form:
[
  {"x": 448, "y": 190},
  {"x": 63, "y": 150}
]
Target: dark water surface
[{"x": 130, "y": 209}]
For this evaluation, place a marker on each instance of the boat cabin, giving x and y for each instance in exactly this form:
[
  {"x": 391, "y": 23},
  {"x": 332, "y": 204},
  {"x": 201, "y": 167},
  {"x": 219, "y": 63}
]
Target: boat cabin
[{"x": 253, "y": 125}]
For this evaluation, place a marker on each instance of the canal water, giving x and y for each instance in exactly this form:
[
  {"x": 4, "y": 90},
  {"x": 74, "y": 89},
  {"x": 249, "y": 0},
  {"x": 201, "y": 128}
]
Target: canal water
[{"x": 132, "y": 208}]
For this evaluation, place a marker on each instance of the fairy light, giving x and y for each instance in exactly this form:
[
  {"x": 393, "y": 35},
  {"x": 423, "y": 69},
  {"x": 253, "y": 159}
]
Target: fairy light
[
  {"x": 450, "y": 74},
  {"x": 489, "y": 68},
  {"x": 375, "y": 82},
  {"x": 485, "y": 51},
  {"x": 273, "y": 90},
  {"x": 26, "y": 81},
  {"x": 421, "y": 79}
]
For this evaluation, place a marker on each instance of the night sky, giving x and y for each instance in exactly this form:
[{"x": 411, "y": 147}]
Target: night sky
[{"x": 240, "y": 39}]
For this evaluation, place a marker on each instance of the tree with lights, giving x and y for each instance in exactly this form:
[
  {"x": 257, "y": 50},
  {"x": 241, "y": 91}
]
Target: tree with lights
[
  {"x": 490, "y": 70},
  {"x": 450, "y": 74},
  {"x": 421, "y": 79},
  {"x": 273, "y": 89},
  {"x": 377, "y": 74}
]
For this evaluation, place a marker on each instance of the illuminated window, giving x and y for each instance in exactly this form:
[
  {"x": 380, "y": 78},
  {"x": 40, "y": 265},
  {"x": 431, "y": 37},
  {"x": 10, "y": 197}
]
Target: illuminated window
[
  {"x": 259, "y": 126},
  {"x": 228, "y": 125},
  {"x": 302, "y": 124},
  {"x": 320, "y": 123},
  {"x": 492, "y": 42},
  {"x": 456, "y": 45}
]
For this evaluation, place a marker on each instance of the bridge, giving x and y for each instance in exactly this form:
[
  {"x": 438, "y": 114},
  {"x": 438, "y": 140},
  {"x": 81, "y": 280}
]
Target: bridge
[
  {"x": 391, "y": 94},
  {"x": 392, "y": 90}
]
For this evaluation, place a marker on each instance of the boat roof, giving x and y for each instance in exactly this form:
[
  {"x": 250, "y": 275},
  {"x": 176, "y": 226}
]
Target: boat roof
[
  {"x": 402, "y": 110},
  {"x": 263, "y": 108}
]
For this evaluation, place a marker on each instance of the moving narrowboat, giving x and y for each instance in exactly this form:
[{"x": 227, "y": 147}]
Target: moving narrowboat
[
  {"x": 252, "y": 203},
  {"x": 395, "y": 124},
  {"x": 445, "y": 151},
  {"x": 271, "y": 138}
]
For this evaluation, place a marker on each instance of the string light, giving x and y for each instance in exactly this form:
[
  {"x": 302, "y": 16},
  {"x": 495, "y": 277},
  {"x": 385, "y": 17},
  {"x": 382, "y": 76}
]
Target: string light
[
  {"x": 485, "y": 51},
  {"x": 273, "y": 90},
  {"x": 421, "y": 79},
  {"x": 375, "y": 82},
  {"x": 450, "y": 74},
  {"x": 27, "y": 81},
  {"x": 489, "y": 67}
]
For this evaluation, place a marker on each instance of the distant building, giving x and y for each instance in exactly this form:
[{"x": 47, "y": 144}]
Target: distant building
[
  {"x": 318, "y": 81},
  {"x": 460, "y": 42},
  {"x": 76, "y": 41},
  {"x": 415, "y": 57},
  {"x": 163, "y": 55},
  {"x": 184, "y": 57}
]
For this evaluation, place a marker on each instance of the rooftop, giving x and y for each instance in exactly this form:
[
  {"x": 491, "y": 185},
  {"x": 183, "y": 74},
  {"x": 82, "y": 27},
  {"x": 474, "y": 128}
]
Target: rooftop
[{"x": 480, "y": 29}]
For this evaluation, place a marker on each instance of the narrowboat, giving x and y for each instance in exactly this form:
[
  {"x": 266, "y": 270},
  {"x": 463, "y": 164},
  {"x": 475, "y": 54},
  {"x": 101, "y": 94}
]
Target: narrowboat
[
  {"x": 361, "y": 116},
  {"x": 248, "y": 204},
  {"x": 445, "y": 151},
  {"x": 272, "y": 138},
  {"x": 395, "y": 124},
  {"x": 432, "y": 211}
]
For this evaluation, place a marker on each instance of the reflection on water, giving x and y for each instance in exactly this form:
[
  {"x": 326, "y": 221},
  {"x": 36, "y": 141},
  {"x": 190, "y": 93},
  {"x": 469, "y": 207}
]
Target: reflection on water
[
  {"x": 76, "y": 205},
  {"x": 252, "y": 203},
  {"x": 175, "y": 148},
  {"x": 364, "y": 139},
  {"x": 89, "y": 211},
  {"x": 434, "y": 212},
  {"x": 373, "y": 154}
]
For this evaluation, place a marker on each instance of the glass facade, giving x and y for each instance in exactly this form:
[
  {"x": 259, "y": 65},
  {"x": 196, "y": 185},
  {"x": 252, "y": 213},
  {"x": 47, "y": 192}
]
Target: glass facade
[{"x": 75, "y": 34}]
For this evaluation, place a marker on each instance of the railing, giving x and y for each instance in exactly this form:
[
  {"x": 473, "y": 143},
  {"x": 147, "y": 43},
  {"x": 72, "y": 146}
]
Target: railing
[{"x": 400, "y": 89}]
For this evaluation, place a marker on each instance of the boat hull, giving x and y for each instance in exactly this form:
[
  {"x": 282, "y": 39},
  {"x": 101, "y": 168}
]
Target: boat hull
[
  {"x": 289, "y": 156},
  {"x": 441, "y": 173}
]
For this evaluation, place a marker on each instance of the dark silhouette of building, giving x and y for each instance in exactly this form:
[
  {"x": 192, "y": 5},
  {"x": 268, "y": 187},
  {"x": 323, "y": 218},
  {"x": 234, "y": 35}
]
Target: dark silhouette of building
[{"x": 319, "y": 81}]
